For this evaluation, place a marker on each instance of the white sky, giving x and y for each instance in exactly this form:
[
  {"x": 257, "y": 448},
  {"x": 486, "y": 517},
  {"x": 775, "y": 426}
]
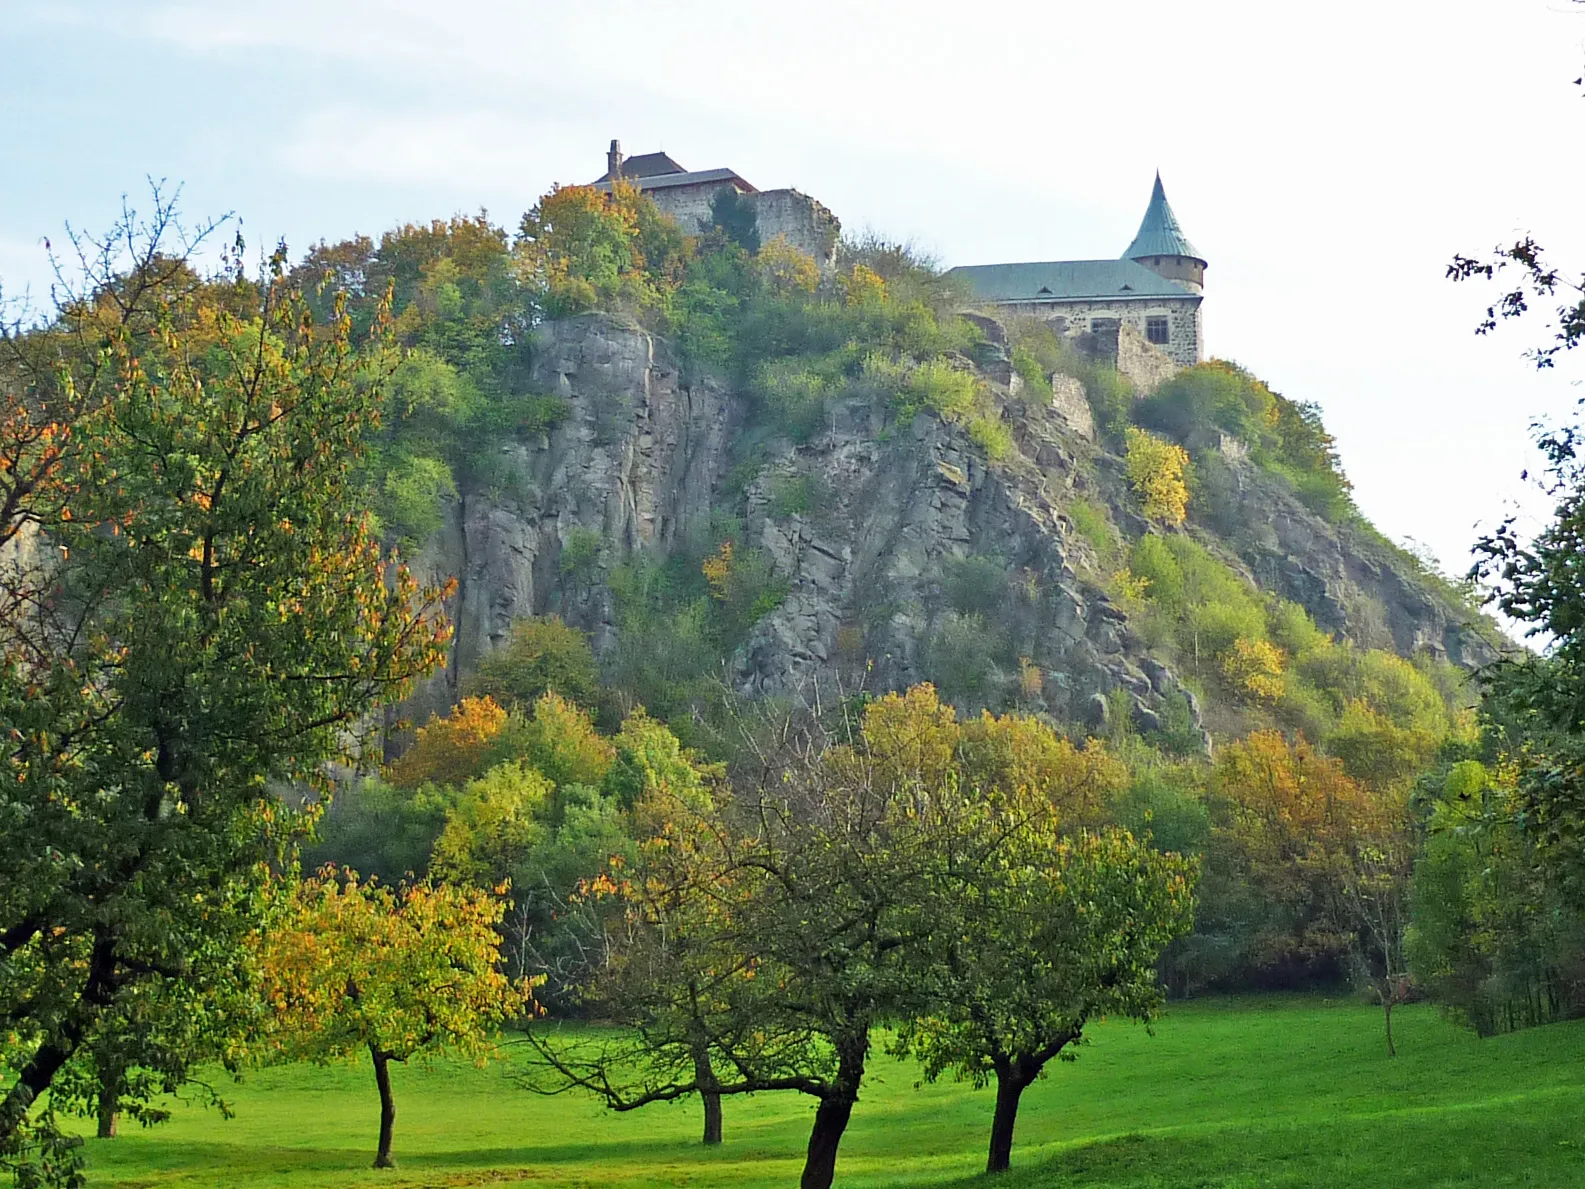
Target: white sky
[{"x": 1328, "y": 159}]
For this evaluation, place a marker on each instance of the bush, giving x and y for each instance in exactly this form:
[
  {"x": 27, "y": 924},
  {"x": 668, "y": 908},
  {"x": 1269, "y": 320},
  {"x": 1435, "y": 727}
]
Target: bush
[
  {"x": 960, "y": 660},
  {"x": 1156, "y": 473},
  {"x": 975, "y": 585},
  {"x": 542, "y": 654}
]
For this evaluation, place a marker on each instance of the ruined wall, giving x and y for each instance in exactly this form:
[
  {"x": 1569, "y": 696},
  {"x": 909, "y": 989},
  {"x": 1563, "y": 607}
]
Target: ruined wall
[
  {"x": 688, "y": 205},
  {"x": 1070, "y": 403},
  {"x": 1146, "y": 364},
  {"x": 804, "y": 223}
]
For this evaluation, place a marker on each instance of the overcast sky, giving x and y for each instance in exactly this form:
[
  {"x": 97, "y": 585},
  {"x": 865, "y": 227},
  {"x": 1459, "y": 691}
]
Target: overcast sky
[{"x": 1327, "y": 159}]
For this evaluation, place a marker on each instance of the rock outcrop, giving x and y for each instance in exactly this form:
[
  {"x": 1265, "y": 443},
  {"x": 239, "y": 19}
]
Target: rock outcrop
[{"x": 869, "y": 563}]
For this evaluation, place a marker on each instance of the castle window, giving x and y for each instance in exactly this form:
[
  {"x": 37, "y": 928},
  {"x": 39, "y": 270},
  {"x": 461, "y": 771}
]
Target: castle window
[
  {"x": 1104, "y": 325},
  {"x": 1156, "y": 329}
]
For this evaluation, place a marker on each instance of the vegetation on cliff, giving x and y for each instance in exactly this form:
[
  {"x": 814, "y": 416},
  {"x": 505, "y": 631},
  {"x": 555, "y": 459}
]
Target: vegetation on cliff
[{"x": 1141, "y": 703}]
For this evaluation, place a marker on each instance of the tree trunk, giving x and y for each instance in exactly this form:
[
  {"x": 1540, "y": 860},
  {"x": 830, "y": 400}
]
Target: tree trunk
[
  {"x": 836, "y": 1107},
  {"x": 1386, "y": 1008},
  {"x": 1009, "y": 1087},
  {"x": 382, "y": 1079},
  {"x": 704, "y": 1075},
  {"x": 36, "y": 1076},
  {"x": 109, "y": 1097},
  {"x": 831, "y": 1120},
  {"x": 712, "y": 1117}
]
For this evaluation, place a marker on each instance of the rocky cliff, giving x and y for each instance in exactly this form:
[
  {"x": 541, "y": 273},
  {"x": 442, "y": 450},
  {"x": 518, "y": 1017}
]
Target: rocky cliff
[{"x": 904, "y": 541}]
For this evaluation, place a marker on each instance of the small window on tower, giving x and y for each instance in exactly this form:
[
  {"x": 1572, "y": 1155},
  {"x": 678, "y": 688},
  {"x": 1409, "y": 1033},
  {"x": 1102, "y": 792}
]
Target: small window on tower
[{"x": 1156, "y": 329}]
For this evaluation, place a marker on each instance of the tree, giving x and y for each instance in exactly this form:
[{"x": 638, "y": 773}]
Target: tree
[
  {"x": 1155, "y": 471},
  {"x": 581, "y": 248},
  {"x": 762, "y": 936},
  {"x": 1290, "y": 815},
  {"x": 541, "y": 655},
  {"x": 1034, "y": 936},
  {"x": 1374, "y": 890},
  {"x": 193, "y": 606},
  {"x": 454, "y": 749},
  {"x": 735, "y": 215},
  {"x": 402, "y": 972}
]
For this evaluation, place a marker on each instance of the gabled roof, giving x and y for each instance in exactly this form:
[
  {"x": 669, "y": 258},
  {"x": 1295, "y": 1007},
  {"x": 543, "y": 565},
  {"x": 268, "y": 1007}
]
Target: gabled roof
[
  {"x": 645, "y": 165},
  {"x": 1067, "y": 280},
  {"x": 1159, "y": 233}
]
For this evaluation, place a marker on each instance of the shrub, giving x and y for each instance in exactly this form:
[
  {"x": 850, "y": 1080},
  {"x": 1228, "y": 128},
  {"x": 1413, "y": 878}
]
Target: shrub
[
  {"x": 991, "y": 435},
  {"x": 1092, "y": 523},
  {"x": 975, "y": 585},
  {"x": 960, "y": 658},
  {"x": 541, "y": 654},
  {"x": 1156, "y": 473},
  {"x": 1253, "y": 668},
  {"x": 787, "y": 269},
  {"x": 451, "y": 750},
  {"x": 1153, "y": 562}
]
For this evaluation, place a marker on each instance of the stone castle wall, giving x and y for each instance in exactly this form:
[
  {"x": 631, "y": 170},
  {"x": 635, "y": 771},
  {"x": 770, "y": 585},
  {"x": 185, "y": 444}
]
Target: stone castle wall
[
  {"x": 804, "y": 223},
  {"x": 1185, "y": 344},
  {"x": 688, "y": 205}
]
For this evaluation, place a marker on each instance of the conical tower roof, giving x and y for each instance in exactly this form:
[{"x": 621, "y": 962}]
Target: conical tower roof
[{"x": 1159, "y": 234}]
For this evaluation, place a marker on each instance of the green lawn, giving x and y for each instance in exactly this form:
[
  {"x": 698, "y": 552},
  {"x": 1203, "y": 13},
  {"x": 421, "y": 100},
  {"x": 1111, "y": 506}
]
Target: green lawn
[{"x": 1275, "y": 1091}]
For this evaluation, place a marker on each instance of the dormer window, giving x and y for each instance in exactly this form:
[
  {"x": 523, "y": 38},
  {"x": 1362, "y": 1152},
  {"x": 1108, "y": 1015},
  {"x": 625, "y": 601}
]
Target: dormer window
[{"x": 1043, "y": 290}]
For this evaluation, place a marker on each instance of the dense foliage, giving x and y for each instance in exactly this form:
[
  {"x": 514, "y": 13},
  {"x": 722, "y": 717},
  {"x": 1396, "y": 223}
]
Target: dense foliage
[
  {"x": 220, "y": 465},
  {"x": 193, "y": 606}
]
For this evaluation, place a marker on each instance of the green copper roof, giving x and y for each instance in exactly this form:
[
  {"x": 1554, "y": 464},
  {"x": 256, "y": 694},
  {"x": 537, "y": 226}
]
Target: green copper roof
[
  {"x": 1159, "y": 234},
  {"x": 1071, "y": 280}
]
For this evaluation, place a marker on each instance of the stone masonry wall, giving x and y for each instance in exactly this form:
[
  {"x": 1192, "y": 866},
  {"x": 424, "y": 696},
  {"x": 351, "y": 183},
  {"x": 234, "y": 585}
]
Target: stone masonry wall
[
  {"x": 1185, "y": 343},
  {"x": 1146, "y": 364},
  {"x": 804, "y": 223},
  {"x": 688, "y": 205}
]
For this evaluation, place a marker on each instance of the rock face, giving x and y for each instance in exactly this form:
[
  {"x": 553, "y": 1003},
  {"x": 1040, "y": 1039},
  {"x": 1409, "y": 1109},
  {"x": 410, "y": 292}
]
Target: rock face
[{"x": 900, "y": 549}]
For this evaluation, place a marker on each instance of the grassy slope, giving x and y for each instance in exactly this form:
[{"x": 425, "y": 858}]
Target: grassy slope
[{"x": 1267, "y": 1092}]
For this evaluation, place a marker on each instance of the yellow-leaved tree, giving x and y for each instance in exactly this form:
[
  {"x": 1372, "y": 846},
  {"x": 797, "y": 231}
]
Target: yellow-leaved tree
[
  {"x": 453, "y": 749},
  {"x": 1156, "y": 470},
  {"x": 409, "y": 971}
]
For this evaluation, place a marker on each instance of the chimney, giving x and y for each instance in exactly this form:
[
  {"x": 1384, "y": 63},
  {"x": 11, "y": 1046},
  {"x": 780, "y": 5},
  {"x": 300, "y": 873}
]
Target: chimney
[{"x": 613, "y": 161}]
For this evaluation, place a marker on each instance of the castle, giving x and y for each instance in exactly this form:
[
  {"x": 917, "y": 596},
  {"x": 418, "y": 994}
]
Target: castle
[
  {"x": 685, "y": 195},
  {"x": 1153, "y": 290},
  {"x": 1140, "y": 312}
]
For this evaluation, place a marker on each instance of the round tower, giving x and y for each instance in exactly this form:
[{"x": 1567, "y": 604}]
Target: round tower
[{"x": 1162, "y": 247}]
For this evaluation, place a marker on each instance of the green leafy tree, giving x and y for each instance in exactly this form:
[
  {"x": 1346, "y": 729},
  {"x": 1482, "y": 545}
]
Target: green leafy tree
[
  {"x": 541, "y": 654},
  {"x": 1034, "y": 936},
  {"x": 762, "y": 935},
  {"x": 399, "y": 972},
  {"x": 194, "y": 607}
]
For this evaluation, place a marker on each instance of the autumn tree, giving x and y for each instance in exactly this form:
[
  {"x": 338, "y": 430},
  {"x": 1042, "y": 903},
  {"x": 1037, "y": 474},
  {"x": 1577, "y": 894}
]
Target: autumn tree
[
  {"x": 582, "y": 248},
  {"x": 1156, "y": 473},
  {"x": 541, "y": 654},
  {"x": 194, "y": 606},
  {"x": 764, "y": 931},
  {"x": 404, "y": 972},
  {"x": 452, "y": 749},
  {"x": 1331, "y": 858},
  {"x": 1036, "y": 935},
  {"x": 1033, "y": 924}
]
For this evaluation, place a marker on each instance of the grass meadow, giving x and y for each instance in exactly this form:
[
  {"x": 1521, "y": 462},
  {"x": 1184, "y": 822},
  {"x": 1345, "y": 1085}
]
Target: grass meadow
[{"x": 1280, "y": 1091}]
